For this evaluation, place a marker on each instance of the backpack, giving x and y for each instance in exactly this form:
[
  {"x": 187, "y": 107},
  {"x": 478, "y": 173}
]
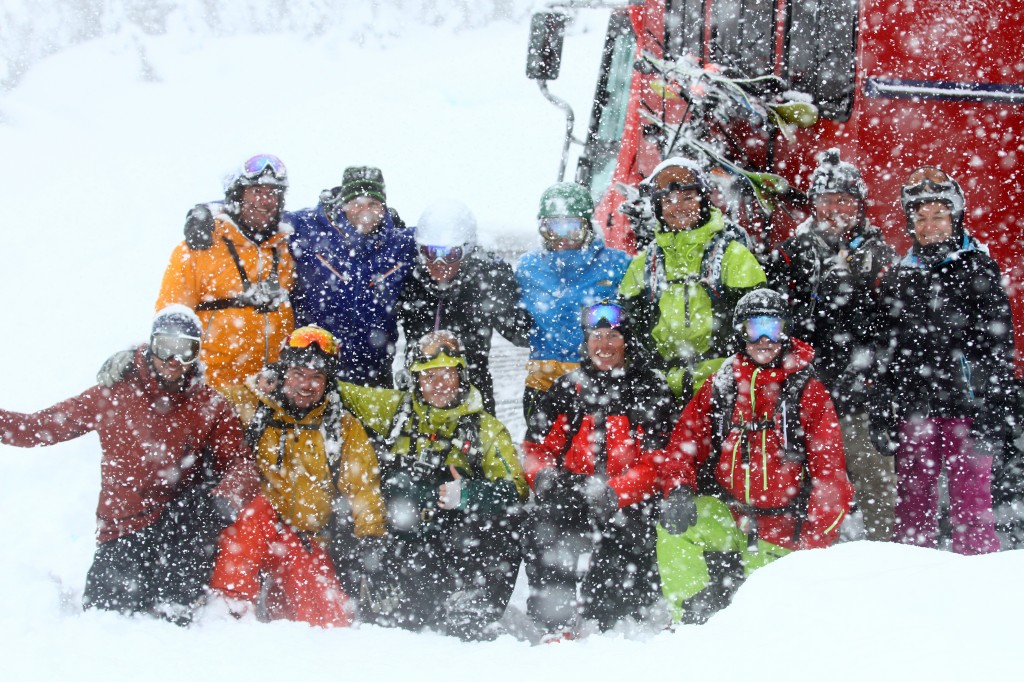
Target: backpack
[{"x": 465, "y": 438}]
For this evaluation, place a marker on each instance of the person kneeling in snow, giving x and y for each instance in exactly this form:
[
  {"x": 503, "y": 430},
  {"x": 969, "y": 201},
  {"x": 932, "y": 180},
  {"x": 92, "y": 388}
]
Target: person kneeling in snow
[
  {"x": 451, "y": 478},
  {"x": 592, "y": 454},
  {"x": 760, "y": 444},
  {"x": 317, "y": 465},
  {"x": 175, "y": 471}
]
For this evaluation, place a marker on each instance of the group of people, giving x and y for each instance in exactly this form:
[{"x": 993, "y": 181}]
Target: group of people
[{"x": 693, "y": 412}]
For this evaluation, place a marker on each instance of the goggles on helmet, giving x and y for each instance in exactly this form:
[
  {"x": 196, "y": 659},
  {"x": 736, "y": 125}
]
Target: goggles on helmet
[
  {"x": 603, "y": 314},
  {"x": 438, "y": 350},
  {"x": 771, "y": 328},
  {"x": 304, "y": 337},
  {"x": 181, "y": 348},
  {"x": 563, "y": 227},
  {"x": 441, "y": 254},
  {"x": 255, "y": 168}
]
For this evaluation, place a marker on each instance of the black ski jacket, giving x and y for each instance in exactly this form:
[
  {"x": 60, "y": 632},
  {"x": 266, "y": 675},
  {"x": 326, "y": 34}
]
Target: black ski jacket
[{"x": 483, "y": 297}]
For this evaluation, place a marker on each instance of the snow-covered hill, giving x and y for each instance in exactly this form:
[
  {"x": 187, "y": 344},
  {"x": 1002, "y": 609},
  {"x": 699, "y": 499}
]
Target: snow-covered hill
[{"x": 101, "y": 154}]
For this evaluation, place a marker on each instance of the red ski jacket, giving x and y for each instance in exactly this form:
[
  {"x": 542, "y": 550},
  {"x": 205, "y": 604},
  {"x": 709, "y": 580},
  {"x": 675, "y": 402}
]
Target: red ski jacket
[
  {"x": 155, "y": 444},
  {"x": 798, "y": 501}
]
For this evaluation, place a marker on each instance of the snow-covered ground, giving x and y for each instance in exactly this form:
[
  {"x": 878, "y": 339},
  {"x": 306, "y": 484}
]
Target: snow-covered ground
[{"x": 102, "y": 153}]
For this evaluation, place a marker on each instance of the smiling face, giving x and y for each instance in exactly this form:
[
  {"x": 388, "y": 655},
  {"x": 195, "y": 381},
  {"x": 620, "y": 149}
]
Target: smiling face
[
  {"x": 260, "y": 209},
  {"x": 764, "y": 351},
  {"x": 439, "y": 386},
  {"x": 606, "y": 348},
  {"x": 364, "y": 213},
  {"x": 680, "y": 210},
  {"x": 836, "y": 213},
  {"x": 933, "y": 223},
  {"x": 303, "y": 387}
]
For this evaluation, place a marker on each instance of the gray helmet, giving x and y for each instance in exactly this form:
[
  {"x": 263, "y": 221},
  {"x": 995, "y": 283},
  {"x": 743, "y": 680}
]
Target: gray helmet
[
  {"x": 760, "y": 303},
  {"x": 834, "y": 176},
  {"x": 932, "y": 184}
]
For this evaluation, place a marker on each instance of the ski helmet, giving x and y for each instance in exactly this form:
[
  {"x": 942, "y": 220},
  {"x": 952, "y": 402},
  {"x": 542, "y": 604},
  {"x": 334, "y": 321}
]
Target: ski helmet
[
  {"x": 447, "y": 223},
  {"x": 678, "y": 174},
  {"x": 176, "y": 332},
  {"x": 760, "y": 303},
  {"x": 262, "y": 169},
  {"x": 565, "y": 212},
  {"x": 439, "y": 348},
  {"x": 927, "y": 184},
  {"x": 312, "y": 347},
  {"x": 835, "y": 176}
]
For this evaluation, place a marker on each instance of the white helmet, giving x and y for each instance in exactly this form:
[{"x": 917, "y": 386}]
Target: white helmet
[{"x": 447, "y": 223}]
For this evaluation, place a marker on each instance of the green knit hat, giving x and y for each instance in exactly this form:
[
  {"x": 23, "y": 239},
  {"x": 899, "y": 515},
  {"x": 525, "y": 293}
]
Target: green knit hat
[{"x": 362, "y": 181}]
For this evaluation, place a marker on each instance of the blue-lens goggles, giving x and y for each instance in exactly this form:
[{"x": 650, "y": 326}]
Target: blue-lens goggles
[
  {"x": 563, "y": 227},
  {"x": 256, "y": 166},
  {"x": 603, "y": 314},
  {"x": 441, "y": 254},
  {"x": 771, "y": 328}
]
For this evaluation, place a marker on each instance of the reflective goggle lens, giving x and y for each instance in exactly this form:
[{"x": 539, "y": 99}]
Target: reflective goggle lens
[
  {"x": 567, "y": 227},
  {"x": 180, "y": 348},
  {"x": 306, "y": 336},
  {"x": 772, "y": 328},
  {"x": 441, "y": 254},
  {"x": 262, "y": 163},
  {"x": 606, "y": 313}
]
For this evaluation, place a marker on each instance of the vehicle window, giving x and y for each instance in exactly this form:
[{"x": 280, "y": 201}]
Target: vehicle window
[
  {"x": 743, "y": 36},
  {"x": 608, "y": 118},
  {"x": 821, "y": 53},
  {"x": 684, "y": 28}
]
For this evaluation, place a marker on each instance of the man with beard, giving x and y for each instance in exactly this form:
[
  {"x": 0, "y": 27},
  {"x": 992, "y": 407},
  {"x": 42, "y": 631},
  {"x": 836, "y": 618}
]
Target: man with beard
[
  {"x": 239, "y": 284},
  {"x": 829, "y": 272},
  {"x": 175, "y": 471}
]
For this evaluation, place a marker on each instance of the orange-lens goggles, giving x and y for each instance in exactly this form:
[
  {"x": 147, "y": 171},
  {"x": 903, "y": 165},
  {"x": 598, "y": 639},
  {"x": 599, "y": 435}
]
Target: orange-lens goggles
[{"x": 303, "y": 337}]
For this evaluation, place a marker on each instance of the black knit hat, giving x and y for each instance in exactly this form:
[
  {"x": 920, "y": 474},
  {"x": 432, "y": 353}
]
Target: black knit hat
[{"x": 362, "y": 181}]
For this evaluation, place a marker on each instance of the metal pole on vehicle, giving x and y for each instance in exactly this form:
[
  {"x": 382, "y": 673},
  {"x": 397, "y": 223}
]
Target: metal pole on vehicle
[{"x": 570, "y": 119}]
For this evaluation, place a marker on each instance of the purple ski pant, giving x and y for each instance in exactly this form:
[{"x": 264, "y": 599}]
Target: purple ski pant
[{"x": 926, "y": 444}]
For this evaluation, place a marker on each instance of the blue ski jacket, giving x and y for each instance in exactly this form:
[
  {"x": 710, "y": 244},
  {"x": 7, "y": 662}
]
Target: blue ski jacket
[
  {"x": 348, "y": 283},
  {"x": 556, "y": 284}
]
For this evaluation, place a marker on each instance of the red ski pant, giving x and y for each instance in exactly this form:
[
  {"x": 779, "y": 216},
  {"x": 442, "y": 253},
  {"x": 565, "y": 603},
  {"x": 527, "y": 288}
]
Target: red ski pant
[{"x": 262, "y": 560}]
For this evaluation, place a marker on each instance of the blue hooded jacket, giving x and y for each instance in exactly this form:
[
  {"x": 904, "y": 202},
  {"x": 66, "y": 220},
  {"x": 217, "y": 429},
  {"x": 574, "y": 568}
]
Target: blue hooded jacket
[
  {"x": 348, "y": 283},
  {"x": 556, "y": 284}
]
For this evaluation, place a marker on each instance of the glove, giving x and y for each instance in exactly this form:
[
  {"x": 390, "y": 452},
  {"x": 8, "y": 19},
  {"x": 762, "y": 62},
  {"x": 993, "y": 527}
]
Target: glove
[
  {"x": 678, "y": 511},
  {"x": 116, "y": 368},
  {"x": 265, "y": 296},
  {"x": 450, "y": 495},
  {"x": 558, "y": 492},
  {"x": 884, "y": 441},
  {"x": 224, "y": 509},
  {"x": 602, "y": 500},
  {"x": 199, "y": 228}
]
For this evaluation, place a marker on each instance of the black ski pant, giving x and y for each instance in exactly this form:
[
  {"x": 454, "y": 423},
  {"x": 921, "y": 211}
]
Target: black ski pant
[
  {"x": 166, "y": 563},
  {"x": 456, "y": 573},
  {"x": 622, "y": 577}
]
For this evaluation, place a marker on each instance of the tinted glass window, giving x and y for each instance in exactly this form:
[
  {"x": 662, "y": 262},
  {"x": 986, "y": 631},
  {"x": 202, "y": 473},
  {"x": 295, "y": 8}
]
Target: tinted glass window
[
  {"x": 684, "y": 28},
  {"x": 743, "y": 36},
  {"x": 608, "y": 118},
  {"x": 821, "y": 53}
]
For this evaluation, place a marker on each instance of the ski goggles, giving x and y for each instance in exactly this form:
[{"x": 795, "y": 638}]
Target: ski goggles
[
  {"x": 304, "y": 337},
  {"x": 442, "y": 254},
  {"x": 181, "y": 348},
  {"x": 927, "y": 180},
  {"x": 571, "y": 228},
  {"x": 443, "y": 351},
  {"x": 603, "y": 314},
  {"x": 257, "y": 166},
  {"x": 771, "y": 328}
]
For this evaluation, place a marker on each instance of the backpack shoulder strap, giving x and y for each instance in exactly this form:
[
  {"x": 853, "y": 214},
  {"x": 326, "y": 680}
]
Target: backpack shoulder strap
[
  {"x": 723, "y": 404},
  {"x": 714, "y": 257},
  {"x": 788, "y": 409}
]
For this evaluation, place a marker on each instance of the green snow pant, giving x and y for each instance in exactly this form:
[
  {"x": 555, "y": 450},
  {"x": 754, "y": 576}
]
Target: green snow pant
[{"x": 709, "y": 560}]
